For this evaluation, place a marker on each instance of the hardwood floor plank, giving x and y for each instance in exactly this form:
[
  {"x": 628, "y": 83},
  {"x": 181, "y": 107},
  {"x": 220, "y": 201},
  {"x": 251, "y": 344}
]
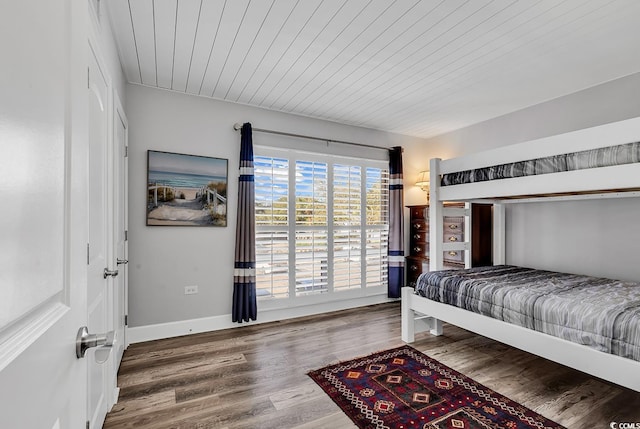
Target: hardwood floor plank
[
  {"x": 124, "y": 409},
  {"x": 201, "y": 364},
  {"x": 572, "y": 405},
  {"x": 289, "y": 417},
  {"x": 337, "y": 420},
  {"x": 293, "y": 396},
  {"x": 167, "y": 356},
  {"x": 617, "y": 408},
  {"x": 169, "y": 416},
  {"x": 256, "y": 376}
]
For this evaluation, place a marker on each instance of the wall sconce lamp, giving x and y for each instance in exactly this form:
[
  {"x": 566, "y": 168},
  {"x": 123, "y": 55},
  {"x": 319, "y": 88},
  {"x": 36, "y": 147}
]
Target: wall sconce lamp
[{"x": 423, "y": 182}]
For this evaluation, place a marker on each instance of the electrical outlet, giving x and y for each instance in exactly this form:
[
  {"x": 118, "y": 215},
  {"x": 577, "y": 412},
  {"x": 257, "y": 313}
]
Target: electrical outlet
[{"x": 190, "y": 290}]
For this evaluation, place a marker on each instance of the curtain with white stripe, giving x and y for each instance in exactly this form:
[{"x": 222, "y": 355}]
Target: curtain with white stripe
[
  {"x": 244, "y": 275},
  {"x": 396, "y": 223}
]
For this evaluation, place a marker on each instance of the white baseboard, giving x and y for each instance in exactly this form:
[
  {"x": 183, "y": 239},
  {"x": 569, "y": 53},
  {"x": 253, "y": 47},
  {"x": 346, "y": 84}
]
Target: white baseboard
[{"x": 159, "y": 331}]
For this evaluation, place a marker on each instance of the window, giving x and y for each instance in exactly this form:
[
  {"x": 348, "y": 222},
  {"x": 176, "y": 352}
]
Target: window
[{"x": 321, "y": 224}]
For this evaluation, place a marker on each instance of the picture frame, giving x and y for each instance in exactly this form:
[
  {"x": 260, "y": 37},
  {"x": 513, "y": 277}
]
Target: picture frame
[{"x": 186, "y": 190}]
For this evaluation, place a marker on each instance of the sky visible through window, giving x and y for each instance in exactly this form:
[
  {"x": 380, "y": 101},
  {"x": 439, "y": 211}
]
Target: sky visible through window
[{"x": 308, "y": 174}]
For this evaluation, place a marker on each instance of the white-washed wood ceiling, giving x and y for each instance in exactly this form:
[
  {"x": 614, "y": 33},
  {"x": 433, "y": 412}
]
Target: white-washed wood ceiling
[{"x": 413, "y": 67}]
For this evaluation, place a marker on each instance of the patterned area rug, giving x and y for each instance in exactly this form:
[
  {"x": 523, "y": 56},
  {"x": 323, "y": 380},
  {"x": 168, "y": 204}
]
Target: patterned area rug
[{"x": 404, "y": 389}]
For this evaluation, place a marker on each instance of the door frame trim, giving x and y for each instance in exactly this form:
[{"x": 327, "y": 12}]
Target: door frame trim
[{"x": 95, "y": 48}]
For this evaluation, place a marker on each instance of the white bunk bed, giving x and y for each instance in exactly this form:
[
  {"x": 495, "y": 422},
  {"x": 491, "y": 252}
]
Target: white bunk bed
[{"x": 419, "y": 313}]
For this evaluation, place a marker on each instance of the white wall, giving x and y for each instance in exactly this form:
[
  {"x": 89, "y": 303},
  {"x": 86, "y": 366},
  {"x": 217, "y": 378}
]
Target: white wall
[
  {"x": 596, "y": 237},
  {"x": 165, "y": 259},
  {"x": 599, "y": 238}
]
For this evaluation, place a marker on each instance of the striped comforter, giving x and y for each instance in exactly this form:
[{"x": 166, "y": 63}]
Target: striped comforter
[
  {"x": 600, "y": 313},
  {"x": 601, "y": 157}
]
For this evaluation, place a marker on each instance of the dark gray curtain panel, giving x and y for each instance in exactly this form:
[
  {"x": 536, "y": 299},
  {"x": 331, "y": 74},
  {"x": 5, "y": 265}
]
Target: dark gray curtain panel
[
  {"x": 244, "y": 273},
  {"x": 396, "y": 223}
]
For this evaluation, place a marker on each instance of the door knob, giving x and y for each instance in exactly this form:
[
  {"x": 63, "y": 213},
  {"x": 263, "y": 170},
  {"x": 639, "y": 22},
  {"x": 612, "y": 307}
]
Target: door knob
[
  {"x": 122, "y": 261},
  {"x": 104, "y": 342},
  {"x": 108, "y": 272}
]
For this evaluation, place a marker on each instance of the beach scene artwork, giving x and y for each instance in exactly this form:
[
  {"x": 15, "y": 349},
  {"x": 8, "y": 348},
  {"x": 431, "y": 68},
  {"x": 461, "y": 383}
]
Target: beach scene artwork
[{"x": 186, "y": 190}]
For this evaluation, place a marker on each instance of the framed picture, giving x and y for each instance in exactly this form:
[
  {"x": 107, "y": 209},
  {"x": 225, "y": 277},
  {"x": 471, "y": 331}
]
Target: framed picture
[{"x": 186, "y": 190}]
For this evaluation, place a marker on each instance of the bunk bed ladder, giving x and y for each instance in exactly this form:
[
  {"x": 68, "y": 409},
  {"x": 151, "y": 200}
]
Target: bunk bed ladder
[{"x": 437, "y": 212}]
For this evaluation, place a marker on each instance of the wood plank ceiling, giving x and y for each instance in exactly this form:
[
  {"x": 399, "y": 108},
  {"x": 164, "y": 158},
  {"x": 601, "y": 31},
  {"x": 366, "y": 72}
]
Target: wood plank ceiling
[{"x": 419, "y": 68}]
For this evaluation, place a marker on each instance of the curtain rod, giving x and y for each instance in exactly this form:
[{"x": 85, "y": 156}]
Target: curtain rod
[{"x": 238, "y": 126}]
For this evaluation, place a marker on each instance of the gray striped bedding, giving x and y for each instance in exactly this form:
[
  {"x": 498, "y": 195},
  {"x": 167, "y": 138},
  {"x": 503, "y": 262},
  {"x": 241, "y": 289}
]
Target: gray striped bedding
[
  {"x": 600, "y": 313},
  {"x": 600, "y": 157}
]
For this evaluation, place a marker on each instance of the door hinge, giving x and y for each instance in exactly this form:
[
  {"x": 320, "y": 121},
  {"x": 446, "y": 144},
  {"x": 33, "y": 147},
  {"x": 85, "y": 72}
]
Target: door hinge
[
  {"x": 88, "y": 79},
  {"x": 87, "y": 425},
  {"x": 126, "y": 320},
  {"x": 126, "y": 151},
  {"x": 126, "y": 235},
  {"x": 87, "y": 253}
]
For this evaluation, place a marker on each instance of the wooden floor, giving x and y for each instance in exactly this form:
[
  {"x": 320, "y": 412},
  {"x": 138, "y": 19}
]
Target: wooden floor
[{"x": 255, "y": 376}]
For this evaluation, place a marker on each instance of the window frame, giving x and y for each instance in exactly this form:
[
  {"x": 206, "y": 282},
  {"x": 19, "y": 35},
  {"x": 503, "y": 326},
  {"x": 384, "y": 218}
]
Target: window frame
[{"x": 292, "y": 155}]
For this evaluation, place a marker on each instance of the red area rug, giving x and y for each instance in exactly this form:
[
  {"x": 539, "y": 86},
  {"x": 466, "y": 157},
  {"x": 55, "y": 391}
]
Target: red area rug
[{"x": 404, "y": 389}]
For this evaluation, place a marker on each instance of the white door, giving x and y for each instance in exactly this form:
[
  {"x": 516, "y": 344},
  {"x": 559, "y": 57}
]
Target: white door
[
  {"x": 43, "y": 135},
  {"x": 100, "y": 218},
  {"x": 121, "y": 195}
]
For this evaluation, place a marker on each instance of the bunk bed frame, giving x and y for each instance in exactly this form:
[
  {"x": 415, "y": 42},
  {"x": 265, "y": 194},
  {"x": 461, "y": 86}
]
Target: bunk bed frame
[{"x": 621, "y": 181}]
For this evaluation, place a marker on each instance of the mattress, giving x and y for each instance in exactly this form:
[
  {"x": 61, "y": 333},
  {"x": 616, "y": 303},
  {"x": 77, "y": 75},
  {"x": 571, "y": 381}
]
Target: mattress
[
  {"x": 600, "y": 313},
  {"x": 601, "y": 157}
]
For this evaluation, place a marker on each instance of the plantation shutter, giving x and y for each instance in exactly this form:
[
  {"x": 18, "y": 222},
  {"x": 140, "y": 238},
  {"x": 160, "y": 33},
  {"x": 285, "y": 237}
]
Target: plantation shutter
[
  {"x": 311, "y": 244},
  {"x": 377, "y": 239},
  {"x": 347, "y": 226},
  {"x": 272, "y": 220},
  {"x": 321, "y": 225}
]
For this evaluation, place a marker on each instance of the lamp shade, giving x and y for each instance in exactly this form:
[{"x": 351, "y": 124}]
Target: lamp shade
[{"x": 423, "y": 180}]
